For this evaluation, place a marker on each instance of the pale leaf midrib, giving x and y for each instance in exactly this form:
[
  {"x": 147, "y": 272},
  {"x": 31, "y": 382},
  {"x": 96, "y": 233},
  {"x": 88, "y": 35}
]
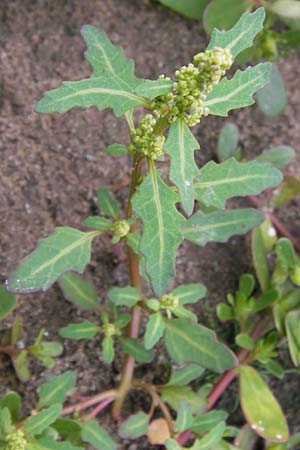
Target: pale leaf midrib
[
  {"x": 240, "y": 179},
  {"x": 79, "y": 291},
  {"x": 209, "y": 226},
  {"x": 224, "y": 98},
  {"x": 64, "y": 252}
]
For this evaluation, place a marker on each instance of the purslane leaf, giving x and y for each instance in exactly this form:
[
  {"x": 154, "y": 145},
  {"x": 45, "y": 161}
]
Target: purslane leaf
[
  {"x": 211, "y": 439},
  {"x": 82, "y": 330},
  {"x": 187, "y": 341},
  {"x": 184, "y": 376},
  {"x": 126, "y": 296},
  {"x": 78, "y": 290},
  {"x": 154, "y": 330},
  {"x": 134, "y": 348},
  {"x": 35, "y": 425},
  {"x": 260, "y": 407},
  {"x": 65, "y": 250},
  {"x": 56, "y": 389},
  {"x": 241, "y": 35},
  {"x": 217, "y": 183},
  {"x": 189, "y": 293},
  {"x": 180, "y": 146},
  {"x": 278, "y": 156},
  {"x": 154, "y": 202},
  {"x": 97, "y": 436},
  {"x": 219, "y": 226},
  {"x": 107, "y": 204},
  {"x": 174, "y": 394},
  {"x": 184, "y": 416},
  {"x": 238, "y": 91},
  {"x": 205, "y": 422},
  {"x": 135, "y": 426},
  {"x": 98, "y": 223},
  {"x": 292, "y": 325}
]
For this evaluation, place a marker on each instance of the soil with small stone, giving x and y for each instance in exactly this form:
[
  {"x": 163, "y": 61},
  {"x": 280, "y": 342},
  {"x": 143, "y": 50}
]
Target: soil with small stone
[{"x": 51, "y": 166}]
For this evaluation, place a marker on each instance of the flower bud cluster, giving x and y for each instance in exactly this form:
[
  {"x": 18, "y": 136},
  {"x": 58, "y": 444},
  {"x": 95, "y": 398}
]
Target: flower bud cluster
[
  {"x": 121, "y": 228},
  {"x": 109, "y": 329},
  {"x": 15, "y": 441},
  {"x": 168, "y": 302},
  {"x": 144, "y": 140},
  {"x": 193, "y": 83}
]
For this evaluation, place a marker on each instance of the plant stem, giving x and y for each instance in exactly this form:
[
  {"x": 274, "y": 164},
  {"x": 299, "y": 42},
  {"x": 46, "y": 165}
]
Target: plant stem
[
  {"x": 135, "y": 280},
  {"x": 99, "y": 408},
  {"x": 80, "y": 406}
]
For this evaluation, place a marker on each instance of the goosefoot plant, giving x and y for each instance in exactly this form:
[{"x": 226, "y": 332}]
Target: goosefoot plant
[{"x": 152, "y": 228}]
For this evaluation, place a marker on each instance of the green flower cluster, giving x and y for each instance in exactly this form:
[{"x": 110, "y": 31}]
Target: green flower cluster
[
  {"x": 109, "y": 329},
  {"x": 169, "y": 303},
  {"x": 145, "y": 140},
  {"x": 15, "y": 441},
  {"x": 193, "y": 83},
  {"x": 121, "y": 228}
]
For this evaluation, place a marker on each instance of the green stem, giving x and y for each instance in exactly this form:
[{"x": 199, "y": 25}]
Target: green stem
[{"x": 135, "y": 280}]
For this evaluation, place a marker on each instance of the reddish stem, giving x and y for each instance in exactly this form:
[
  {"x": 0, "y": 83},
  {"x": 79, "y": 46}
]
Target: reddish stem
[{"x": 99, "y": 408}]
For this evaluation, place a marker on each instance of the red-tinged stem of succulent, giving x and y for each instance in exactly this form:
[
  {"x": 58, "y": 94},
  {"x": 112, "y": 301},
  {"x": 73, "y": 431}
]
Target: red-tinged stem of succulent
[
  {"x": 100, "y": 407},
  {"x": 226, "y": 379},
  {"x": 277, "y": 223},
  {"x": 135, "y": 280}
]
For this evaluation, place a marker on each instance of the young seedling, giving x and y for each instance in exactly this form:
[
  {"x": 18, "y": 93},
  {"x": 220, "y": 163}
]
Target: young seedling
[{"x": 160, "y": 213}]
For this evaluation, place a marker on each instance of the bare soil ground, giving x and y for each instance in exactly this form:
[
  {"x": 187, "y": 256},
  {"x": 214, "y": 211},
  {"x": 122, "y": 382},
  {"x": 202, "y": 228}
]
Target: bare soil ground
[{"x": 51, "y": 166}]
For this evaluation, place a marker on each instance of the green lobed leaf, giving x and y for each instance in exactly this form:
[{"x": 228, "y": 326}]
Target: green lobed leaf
[
  {"x": 174, "y": 394},
  {"x": 117, "y": 149},
  {"x": 223, "y": 14},
  {"x": 279, "y": 156},
  {"x": 35, "y": 425},
  {"x": 56, "y": 389},
  {"x": 134, "y": 348},
  {"x": 184, "y": 376},
  {"x": 8, "y": 302},
  {"x": 12, "y": 401},
  {"x": 154, "y": 330},
  {"x": 292, "y": 325},
  {"x": 187, "y": 341},
  {"x": 219, "y": 226},
  {"x": 97, "y": 436},
  {"x": 189, "y": 293},
  {"x": 184, "y": 416},
  {"x": 189, "y": 8},
  {"x": 78, "y": 290},
  {"x": 154, "y": 88},
  {"x": 211, "y": 439},
  {"x": 103, "y": 91},
  {"x": 135, "y": 426},
  {"x": 126, "y": 296},
  {"x": 241, "y": 35},
  {"x": 107, "y": 204},
  {"x": 260, "y": 407},
  {"x": 64, "y": 250},
  {"x": 154, "y": 202},
  {"x": 180, "y": 146},
  {"x": 227, "y": 141},
  {"x": 108, "y": 352},
  {"x": 272, "y": 99},
  {"x": 238, "y": 91},
  {"x": 98, "y": 223},
  {"x": 83, "y": 330},
  {"x": 206, "y": 421},
  {"x": 217, "y": 183},
  {"x": 259, "y": 258}
]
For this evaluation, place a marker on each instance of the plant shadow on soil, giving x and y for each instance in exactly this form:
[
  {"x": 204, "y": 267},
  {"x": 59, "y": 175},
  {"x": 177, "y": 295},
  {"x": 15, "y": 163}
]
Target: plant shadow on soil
[{"x": 51, "y": 166}]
